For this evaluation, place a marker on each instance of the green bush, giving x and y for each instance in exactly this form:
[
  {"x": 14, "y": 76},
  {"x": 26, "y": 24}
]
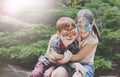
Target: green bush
[
  {"x": 4, "y": 54},
  {"x": 102, "y": 63}
]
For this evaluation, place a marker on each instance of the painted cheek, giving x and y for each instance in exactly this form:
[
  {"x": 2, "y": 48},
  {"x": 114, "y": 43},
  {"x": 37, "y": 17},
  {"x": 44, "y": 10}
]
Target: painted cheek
[
  {"x": 69, "y": 32},
  {"x": 87, "y": 27}
]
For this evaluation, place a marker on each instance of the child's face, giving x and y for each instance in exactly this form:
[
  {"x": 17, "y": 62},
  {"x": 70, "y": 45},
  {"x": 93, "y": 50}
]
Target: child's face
[
  {"x": 68, "y": 35},
  {"x": 84, "y": 27}
]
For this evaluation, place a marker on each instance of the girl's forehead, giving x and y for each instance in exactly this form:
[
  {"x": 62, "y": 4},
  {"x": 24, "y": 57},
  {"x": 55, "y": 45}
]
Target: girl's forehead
[{"x": 81, "y": 19}]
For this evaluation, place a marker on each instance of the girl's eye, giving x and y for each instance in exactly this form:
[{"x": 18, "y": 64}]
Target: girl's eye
[
  {"x": 86, "y": 24},
  {"x": 87, "y": 27}
]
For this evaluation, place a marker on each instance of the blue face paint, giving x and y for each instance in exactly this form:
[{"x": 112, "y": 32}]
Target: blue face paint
[{"x": 87, "y": 27}]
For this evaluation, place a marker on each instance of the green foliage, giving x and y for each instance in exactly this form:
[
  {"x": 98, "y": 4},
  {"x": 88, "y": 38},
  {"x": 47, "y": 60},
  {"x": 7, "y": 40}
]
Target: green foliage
[
  {"x": 102, "y": 63},
  {"x": 70, "y": 12},
  {"x": 8, "y": 41},
  {"x": 35, "y": 34},
  {"x": 65, "y": 11},
  {"x": 2, "y": 34},
  {"x": 30, "y": 53},
  {"x": 24, "y": 53},
  {"x": 24, "y": 46},
  {"x": 74, "y": 3},
  {"x": 4, "y": 53},
  {"x": 34, "y": 50},
  {"x": 112, "y": 17},
  {"x": 109, "y": 46}
]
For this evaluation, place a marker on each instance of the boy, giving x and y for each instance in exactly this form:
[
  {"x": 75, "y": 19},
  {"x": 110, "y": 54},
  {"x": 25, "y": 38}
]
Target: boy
[{"x": 63, "y": 43}]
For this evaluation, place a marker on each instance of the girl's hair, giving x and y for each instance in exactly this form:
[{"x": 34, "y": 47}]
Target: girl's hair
[
  {"x": 86, "y": 13},
  {"x": 64, "y": 22}
]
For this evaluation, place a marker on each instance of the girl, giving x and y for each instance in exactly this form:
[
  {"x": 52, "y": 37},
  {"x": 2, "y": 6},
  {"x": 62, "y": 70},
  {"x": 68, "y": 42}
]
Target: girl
[{"x": 88, "y": 41}]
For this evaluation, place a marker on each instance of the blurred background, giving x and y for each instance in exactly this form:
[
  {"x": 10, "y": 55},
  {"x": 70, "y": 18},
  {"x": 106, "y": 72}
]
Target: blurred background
[{"x": 27, "y": 25}]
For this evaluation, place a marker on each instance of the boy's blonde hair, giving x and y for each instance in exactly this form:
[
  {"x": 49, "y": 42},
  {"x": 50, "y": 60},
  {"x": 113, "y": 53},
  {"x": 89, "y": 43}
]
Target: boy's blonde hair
[{"x": 64, "y": 22}]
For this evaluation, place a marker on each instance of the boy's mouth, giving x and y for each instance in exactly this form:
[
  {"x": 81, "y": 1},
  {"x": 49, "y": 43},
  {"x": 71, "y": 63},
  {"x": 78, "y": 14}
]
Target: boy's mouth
[{"x": 69, "y": 38}]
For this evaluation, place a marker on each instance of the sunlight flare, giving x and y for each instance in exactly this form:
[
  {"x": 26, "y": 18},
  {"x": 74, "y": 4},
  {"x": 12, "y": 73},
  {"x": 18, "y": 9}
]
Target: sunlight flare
[{"x": 16, "y": 6}]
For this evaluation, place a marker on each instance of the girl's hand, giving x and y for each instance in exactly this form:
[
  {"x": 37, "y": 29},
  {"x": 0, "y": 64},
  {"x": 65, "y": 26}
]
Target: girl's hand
[
  {"x": 51, "y": 58},
  {"x": 66, "y": 59},
  {"x": 80, "y": 69},
  {"x": 53, "y": 52},
  {"x": 68, "y": 55},
  {"x": 56, "y": 55}
]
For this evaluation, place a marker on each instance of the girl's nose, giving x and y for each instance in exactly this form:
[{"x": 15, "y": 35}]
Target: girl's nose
[{"x": 82, "y": 30}]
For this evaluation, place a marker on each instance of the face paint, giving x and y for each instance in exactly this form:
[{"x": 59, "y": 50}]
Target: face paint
[
  {"x": 69, "y": 33},
  {"x": 68, "y": 36},
  {"x": 87, "y": 27}
]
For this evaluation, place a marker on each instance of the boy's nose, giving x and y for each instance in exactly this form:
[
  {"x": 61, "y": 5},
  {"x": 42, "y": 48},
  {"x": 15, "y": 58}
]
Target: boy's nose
[{"x": 69, "y": 34}]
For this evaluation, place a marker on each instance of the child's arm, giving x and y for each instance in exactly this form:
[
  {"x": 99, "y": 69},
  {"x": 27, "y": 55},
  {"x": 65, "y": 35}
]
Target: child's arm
[
  {"x": 51, "y": 54},
  {"x": 86, "y": 50},
  {"x": 48, "y": 54},
  {"x": 50, "y": 42},
  {"x": 50, "y": 50}
]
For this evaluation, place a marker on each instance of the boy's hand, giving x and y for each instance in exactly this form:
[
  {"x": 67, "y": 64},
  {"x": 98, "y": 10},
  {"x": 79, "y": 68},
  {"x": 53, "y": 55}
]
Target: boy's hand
[{"x": 51, "y": 58}]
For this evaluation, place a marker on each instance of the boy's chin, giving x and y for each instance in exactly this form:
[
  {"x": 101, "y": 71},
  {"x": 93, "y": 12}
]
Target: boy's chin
[{"x": 66, "y": 41}]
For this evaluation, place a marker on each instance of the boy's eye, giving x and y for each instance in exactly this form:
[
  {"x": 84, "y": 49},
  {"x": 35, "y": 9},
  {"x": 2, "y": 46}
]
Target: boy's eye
[
  {"x": 64, "y": 32},
  {"x": 73, "y": 30}
]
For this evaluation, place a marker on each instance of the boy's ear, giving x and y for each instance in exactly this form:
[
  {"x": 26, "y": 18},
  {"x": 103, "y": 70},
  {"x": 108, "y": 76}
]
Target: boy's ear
[{"x": 58, "y": 33}]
